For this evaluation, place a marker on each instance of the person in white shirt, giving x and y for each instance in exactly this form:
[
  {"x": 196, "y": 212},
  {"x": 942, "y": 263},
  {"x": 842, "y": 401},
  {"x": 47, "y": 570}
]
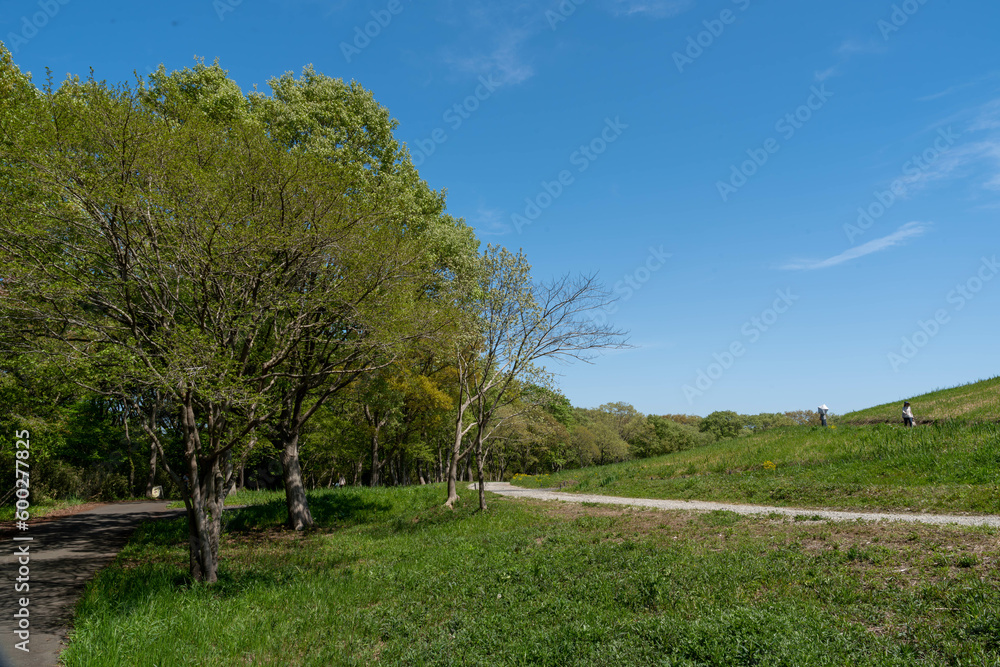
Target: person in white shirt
[{"x": 907, "y": 414}]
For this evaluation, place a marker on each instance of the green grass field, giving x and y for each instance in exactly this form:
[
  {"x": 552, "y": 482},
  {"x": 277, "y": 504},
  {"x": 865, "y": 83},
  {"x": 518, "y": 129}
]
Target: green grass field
[
  {"x": 866, "y": 460},
  {"x": 975, "y": 402},
  {"x": 390, "y": 576},
  {"x": 393, "y": 578},
  {"x": 947, "y": 467}
]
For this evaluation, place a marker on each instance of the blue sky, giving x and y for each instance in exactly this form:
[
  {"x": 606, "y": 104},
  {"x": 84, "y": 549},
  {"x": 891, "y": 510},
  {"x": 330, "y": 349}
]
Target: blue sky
[{"x": 796, "y": 202}]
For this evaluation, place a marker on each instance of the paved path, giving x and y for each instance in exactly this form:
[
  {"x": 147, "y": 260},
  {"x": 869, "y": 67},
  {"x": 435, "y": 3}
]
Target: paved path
[
  {"x": 64, "y": 555},
  {"x": 504, "y": 489}
]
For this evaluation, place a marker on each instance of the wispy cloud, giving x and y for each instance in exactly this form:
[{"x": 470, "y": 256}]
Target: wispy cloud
[
  {"x": 659, "y": 9},
  {"x": 847, "y": 49},
  {"x": 506, "y": 60},
  {"x": 490, "y": 222},
  {"x": 956, "y": 88},
  {"x": 907, "y": 231},
  {"x": 852, "y": 47},
  {"x": 823, "y": 75},
  {"x": 491, "y": 39},
  {"x": 988, "y": 117},
  {"x": 978, "y": 158},
  {"x": 958, "y": 162}
]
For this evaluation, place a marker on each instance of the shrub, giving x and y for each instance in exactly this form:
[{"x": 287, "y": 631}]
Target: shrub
[{"x": 723, "y": 424}]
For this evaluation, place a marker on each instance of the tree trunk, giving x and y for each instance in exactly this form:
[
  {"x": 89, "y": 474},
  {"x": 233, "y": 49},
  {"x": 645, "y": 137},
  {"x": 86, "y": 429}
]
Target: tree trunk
[
  {"x": 204, "y": 499},
  {"x": 453, "y": 472},
  {"x": 375, "y": 462},
  {"x": 299, "y": 516},
  {"x": 479, "y": 469},
  {"x": 152, "y": 469}
]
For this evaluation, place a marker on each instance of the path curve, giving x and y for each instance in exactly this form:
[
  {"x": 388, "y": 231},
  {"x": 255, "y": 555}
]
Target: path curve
[
  {"x": 64, "y": 555},
  {"x": 505, "y": 489}
]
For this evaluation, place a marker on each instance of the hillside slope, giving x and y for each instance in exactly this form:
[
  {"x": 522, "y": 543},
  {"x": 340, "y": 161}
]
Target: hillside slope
[{"x": 975, "y": 402}]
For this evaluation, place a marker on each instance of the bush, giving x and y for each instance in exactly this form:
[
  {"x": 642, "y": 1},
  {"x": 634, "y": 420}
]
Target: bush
[
  {"x": 59, "y": 480},
  {"x": 765, "y": 421},
  {"x": 673, "y": 436},
  {"x": 723, "y": 424},
  {"x": 115, "y": 486}
]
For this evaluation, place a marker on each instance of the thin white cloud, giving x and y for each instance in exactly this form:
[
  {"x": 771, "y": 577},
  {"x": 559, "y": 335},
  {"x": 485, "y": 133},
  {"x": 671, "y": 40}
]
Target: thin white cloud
[
  {"x": 988, "y": 117},
  {"x": 956, "y": 88},
  {"x": 826, "y": 74},
  {"x": 659, "y": 9},
  {"x": 974, "y": 156},
  {"x": 907, "y": 231},
  {"x": 851, "y": 47},
  {"x": 490, "y": 222},
  {"x": 491, "y": 39},
  {"x": 505, "y": 61},
  {"x": 847, "y": 49}
]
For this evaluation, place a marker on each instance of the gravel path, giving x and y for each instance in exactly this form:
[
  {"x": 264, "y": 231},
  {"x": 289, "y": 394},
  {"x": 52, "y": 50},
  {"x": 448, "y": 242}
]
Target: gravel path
[{"x": 504, "y": 489}]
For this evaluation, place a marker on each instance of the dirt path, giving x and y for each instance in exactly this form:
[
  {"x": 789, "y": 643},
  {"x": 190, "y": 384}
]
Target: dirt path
[
  {"x": 505, "y": 489},
  {"x": 63, "y": 555}
]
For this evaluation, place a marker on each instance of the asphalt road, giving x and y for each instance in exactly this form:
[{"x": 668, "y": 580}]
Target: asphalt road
[{"x": 62, "y": 556}]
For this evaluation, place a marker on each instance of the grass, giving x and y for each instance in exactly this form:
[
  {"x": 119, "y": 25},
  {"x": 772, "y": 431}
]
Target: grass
[
  {"x": 44, "y": 508},
  {"x": 945, "y": 467},
  {"x": 978, "y": 401},
  {"x": 392, "y": 577},
  {"x": 242, "y": 497}
]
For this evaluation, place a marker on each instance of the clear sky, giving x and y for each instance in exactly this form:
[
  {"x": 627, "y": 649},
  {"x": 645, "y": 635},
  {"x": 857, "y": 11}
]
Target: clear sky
[{"x": 796, "y": 202}]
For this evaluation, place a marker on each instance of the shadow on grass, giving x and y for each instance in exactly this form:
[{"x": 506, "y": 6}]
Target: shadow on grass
[
  {"x": 329, "y": 510},
  {"x": 153, "y": 569}
]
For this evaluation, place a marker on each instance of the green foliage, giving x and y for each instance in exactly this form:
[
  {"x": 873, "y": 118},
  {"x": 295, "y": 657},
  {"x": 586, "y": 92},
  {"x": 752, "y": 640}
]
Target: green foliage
[
  {"x": 676, "y": 436},
  {"x": 723, "y": 424},
  {"x": 765, "y": 421}
]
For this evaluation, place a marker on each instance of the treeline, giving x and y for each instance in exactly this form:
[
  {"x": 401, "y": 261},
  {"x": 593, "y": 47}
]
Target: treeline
[{"x": 204, "y": 289}]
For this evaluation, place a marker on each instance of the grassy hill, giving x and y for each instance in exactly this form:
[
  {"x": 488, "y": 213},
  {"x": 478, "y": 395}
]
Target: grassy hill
[
  {"x": 978, "y": 401},
  {"x": 867, "y": 460}
]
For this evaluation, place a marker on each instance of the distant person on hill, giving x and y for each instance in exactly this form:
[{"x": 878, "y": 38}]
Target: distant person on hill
[
  {"x": 907, "y": 415},
  {"x": 822, "y": 413}
]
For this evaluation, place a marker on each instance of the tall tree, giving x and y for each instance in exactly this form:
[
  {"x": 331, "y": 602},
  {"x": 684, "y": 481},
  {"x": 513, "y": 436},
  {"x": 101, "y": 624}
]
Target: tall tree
[{"x": 514, "y": 326}]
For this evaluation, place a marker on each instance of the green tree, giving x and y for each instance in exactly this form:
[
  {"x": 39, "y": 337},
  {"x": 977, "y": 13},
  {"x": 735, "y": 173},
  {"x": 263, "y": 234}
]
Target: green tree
[
  {"x": 674, "y": 436},
  {"x": 722, "y": 424},
  {"x": 513, "y": 325}
]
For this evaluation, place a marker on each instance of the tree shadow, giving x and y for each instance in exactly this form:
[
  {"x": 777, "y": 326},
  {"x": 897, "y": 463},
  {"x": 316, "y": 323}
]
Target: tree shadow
[{"x": 329, "y": 510}]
